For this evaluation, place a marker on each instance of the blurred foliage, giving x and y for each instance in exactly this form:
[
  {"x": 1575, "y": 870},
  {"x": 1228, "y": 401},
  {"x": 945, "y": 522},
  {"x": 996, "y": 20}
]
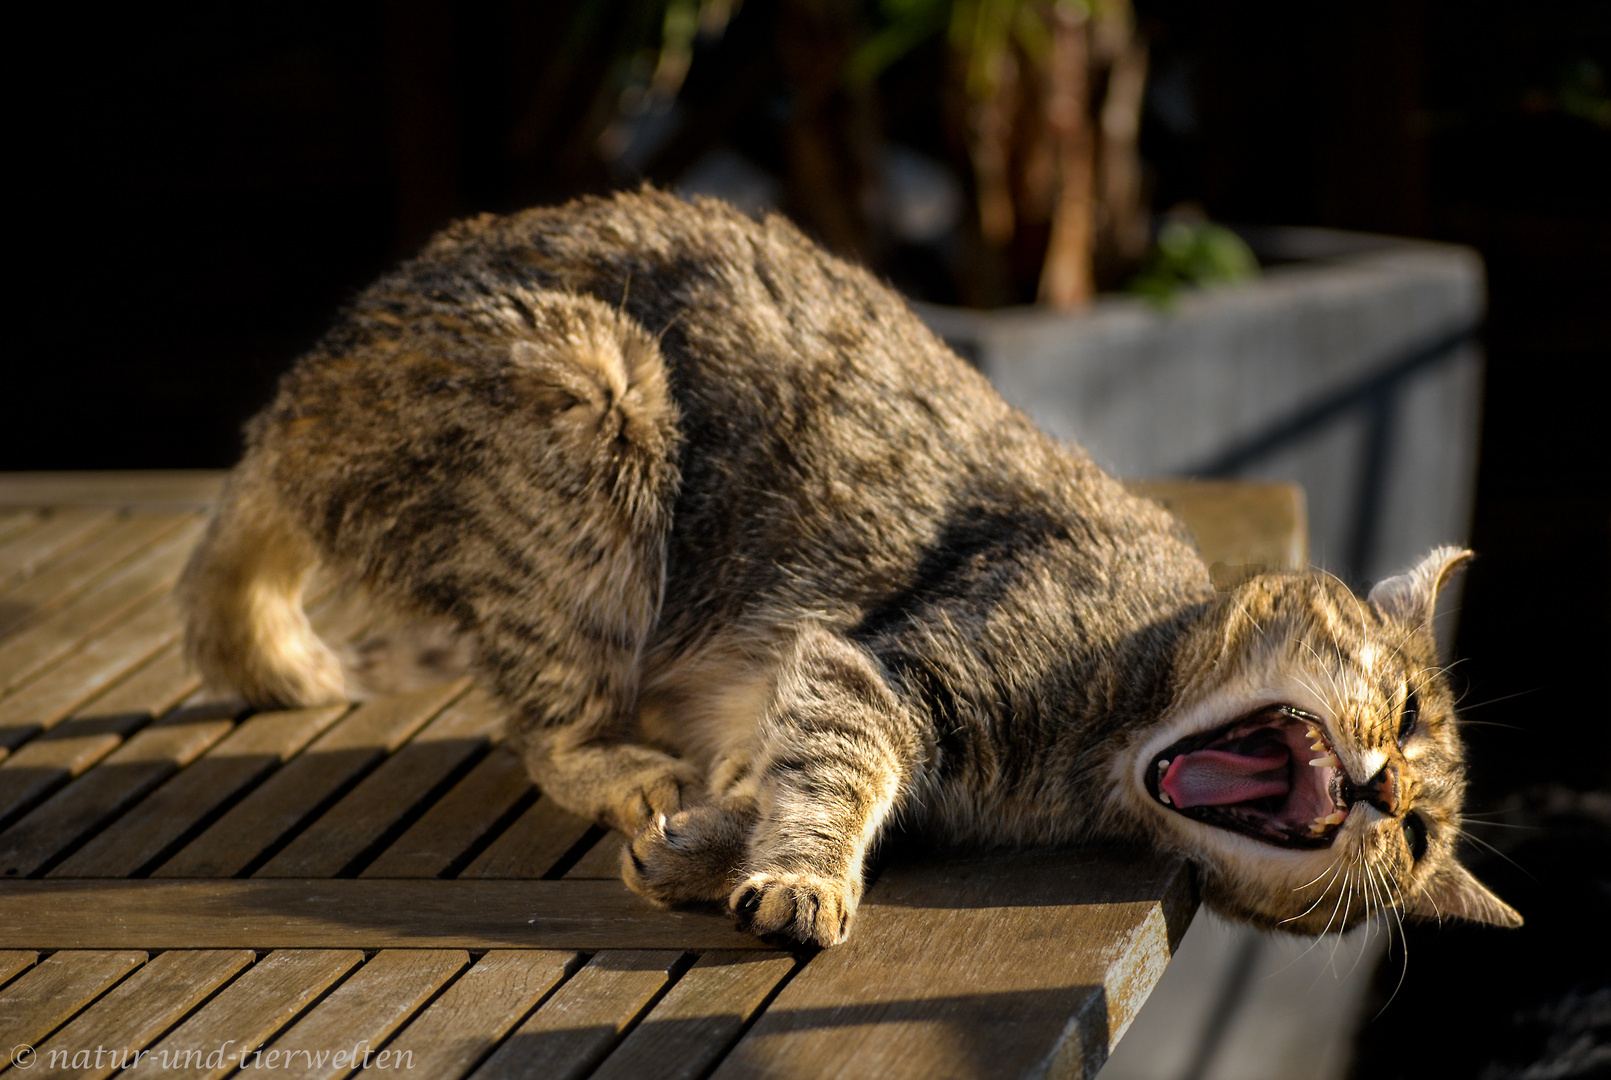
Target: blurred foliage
[
  {"x": 1046, "y": 98},
  {"x": 981, "y": 32},
  {"x": 982, "y": 152},
  {"x": 1189, "y": 254},
  {"x": 1581, "y": 93}
]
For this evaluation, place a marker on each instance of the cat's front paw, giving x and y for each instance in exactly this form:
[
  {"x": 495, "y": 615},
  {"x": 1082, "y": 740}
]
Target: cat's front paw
[
  {"x": 689, "y": 856},
  {"x": 804, "y": 907}
]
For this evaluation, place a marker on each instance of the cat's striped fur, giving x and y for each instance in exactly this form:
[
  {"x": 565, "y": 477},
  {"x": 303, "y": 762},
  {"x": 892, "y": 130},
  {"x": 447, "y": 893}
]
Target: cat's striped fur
[{"x": 759, "y": 568}]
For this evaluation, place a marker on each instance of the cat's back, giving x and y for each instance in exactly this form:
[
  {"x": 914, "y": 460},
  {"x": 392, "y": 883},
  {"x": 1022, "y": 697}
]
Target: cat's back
[{"x": 827, "y": 438}]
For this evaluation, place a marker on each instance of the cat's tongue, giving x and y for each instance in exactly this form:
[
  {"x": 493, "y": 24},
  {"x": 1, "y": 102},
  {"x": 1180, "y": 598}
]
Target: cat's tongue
[{"x": 1218, "y": 777}]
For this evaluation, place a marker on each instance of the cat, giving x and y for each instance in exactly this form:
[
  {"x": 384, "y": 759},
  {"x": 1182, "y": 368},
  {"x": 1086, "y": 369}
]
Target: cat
[{"x": 760, "y": 570}]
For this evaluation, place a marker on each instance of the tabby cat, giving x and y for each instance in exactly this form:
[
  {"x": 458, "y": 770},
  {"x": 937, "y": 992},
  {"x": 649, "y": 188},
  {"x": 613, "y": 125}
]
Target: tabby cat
[{"x": 759, "y": 569}]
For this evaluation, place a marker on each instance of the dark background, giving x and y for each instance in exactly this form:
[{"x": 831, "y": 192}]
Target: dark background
[{"x": 201, "y": 189}]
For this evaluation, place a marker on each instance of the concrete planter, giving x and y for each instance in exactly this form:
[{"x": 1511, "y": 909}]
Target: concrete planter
[{"x": 1351, "y": 367}]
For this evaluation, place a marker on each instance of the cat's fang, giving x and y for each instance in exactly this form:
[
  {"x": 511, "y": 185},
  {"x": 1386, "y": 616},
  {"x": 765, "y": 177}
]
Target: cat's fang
[{"x": 1325, "y": 761}]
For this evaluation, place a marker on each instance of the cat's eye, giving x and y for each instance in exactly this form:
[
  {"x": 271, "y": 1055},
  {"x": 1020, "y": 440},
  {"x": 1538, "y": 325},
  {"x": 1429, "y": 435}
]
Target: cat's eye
[
  {"x": 1415, "y": 835},
  {"x": 1412, "y": 715}
]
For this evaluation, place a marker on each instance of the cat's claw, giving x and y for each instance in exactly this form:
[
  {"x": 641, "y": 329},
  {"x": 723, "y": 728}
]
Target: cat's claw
[
  {"x": 806, "y": 908},
  {"x": 652, "y": 794},
  {"x": 688, "y": 857}
]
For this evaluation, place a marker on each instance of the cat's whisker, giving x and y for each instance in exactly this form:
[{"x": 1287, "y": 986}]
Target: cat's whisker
[
  {"x": 1378, "y": 890},
  {"x": 1342, "y": 894},
  {"x": 1327, "y": 928},
  {"x": 1495, "y": 701},
  {"x": 1359, "y": 608},
  {"x": 1332, "y": 869},
  {"x": 1460, "y": 830},
  {"x": 1318, "y": 900},
  {"x": 1367, "y": 892},
  {"x": 1384, "y": 903},
  {"x": 1437, "y": 909},
  {"x": 1394, "y": 911},
  {"x": 1338, "y": 700},
  {"x": 1332, "y": 706},
  {"x": 1248, "y": 615},
  {"x": 1342, "y": 927},
  {"x": 1398, "y": 646}
]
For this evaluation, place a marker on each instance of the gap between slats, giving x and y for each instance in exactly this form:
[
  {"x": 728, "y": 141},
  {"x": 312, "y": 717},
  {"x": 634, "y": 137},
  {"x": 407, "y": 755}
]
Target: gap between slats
[{"x": 499, "y": 1015}]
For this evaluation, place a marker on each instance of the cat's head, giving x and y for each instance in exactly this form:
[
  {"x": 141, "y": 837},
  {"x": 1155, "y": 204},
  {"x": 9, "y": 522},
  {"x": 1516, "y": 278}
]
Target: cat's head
[{"x": 1310, "y": 764}]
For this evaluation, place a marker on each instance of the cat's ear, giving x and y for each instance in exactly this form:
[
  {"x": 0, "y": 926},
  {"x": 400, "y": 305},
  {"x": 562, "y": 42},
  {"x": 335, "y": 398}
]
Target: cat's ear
[
  {"x": 1454, "y": 893},
  {"x": 1412, "y": 595}
]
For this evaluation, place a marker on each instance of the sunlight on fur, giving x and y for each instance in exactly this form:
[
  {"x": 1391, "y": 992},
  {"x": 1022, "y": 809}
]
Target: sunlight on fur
[{"x": 760, "y": 571}]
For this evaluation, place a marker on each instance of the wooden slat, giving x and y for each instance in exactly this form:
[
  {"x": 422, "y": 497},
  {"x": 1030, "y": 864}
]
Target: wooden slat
[
  {"x": 71, "y": 574},
  {"x": 134, "y": 487},
  {"x": 584, "y": 1019},
  {"x": 361, "y": 1014},
  {"x": 18, "y": 520},
  {"x": 139, "y": 1010},
  {"x": 250, "y": 752},
  {"x": 250, "y": 1011},
  {"x": 690, "y": 1029},
  {"x": 457, "y": 820},
  {"x": 345, "y": 913},
  {"x": 537, "y": 840},
  {"x": 45, "y": 701},
  {"x": 46, "y": 764},
  {"x": 14, "y": 962},
  {"x": 357, "y": 823},
  {"x": 126, "y": 775},
  {"x": 474, "y": 1014},
  {"x": 602, "y": 861},
  {"x": 48, "y": 996},
  {"x": 150, "y": 690},
  {"x": 47, "y": 640},
  {"x": 1002, "y": 966},
  {"x": 56, "y": 534},
  {"x": 285, "y": 799}
]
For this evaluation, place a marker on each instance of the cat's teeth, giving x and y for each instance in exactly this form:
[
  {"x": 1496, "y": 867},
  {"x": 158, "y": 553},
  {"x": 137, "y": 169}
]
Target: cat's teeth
[
  {"x": 1325, "y": 761},
  {"x": 1321, "y": 824},
  {"x": 1163, "y": 797}
]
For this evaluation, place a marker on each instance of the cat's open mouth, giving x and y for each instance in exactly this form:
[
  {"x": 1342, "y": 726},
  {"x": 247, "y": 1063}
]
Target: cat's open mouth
[{"x": 1271, "y": 775}]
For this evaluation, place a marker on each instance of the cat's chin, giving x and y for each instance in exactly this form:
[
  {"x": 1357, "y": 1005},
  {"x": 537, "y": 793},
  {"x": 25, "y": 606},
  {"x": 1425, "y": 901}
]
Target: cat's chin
[{"x": 1271, "y": 775}]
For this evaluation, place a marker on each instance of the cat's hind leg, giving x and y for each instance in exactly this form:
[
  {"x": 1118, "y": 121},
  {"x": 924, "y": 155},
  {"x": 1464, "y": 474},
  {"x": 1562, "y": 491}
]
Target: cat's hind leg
[{"x": 513, "y": 477}]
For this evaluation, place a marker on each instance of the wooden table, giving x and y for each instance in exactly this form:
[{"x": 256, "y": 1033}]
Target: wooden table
[{"x": 380, "y": 885}]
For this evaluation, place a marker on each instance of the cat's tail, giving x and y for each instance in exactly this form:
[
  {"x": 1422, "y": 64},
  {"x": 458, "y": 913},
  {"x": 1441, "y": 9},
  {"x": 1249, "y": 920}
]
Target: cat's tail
[{"x": 241, "y": 593}]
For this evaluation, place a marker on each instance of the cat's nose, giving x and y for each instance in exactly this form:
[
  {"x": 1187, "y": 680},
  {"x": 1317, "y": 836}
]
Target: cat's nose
[{"x": 1381, "y": 791}]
